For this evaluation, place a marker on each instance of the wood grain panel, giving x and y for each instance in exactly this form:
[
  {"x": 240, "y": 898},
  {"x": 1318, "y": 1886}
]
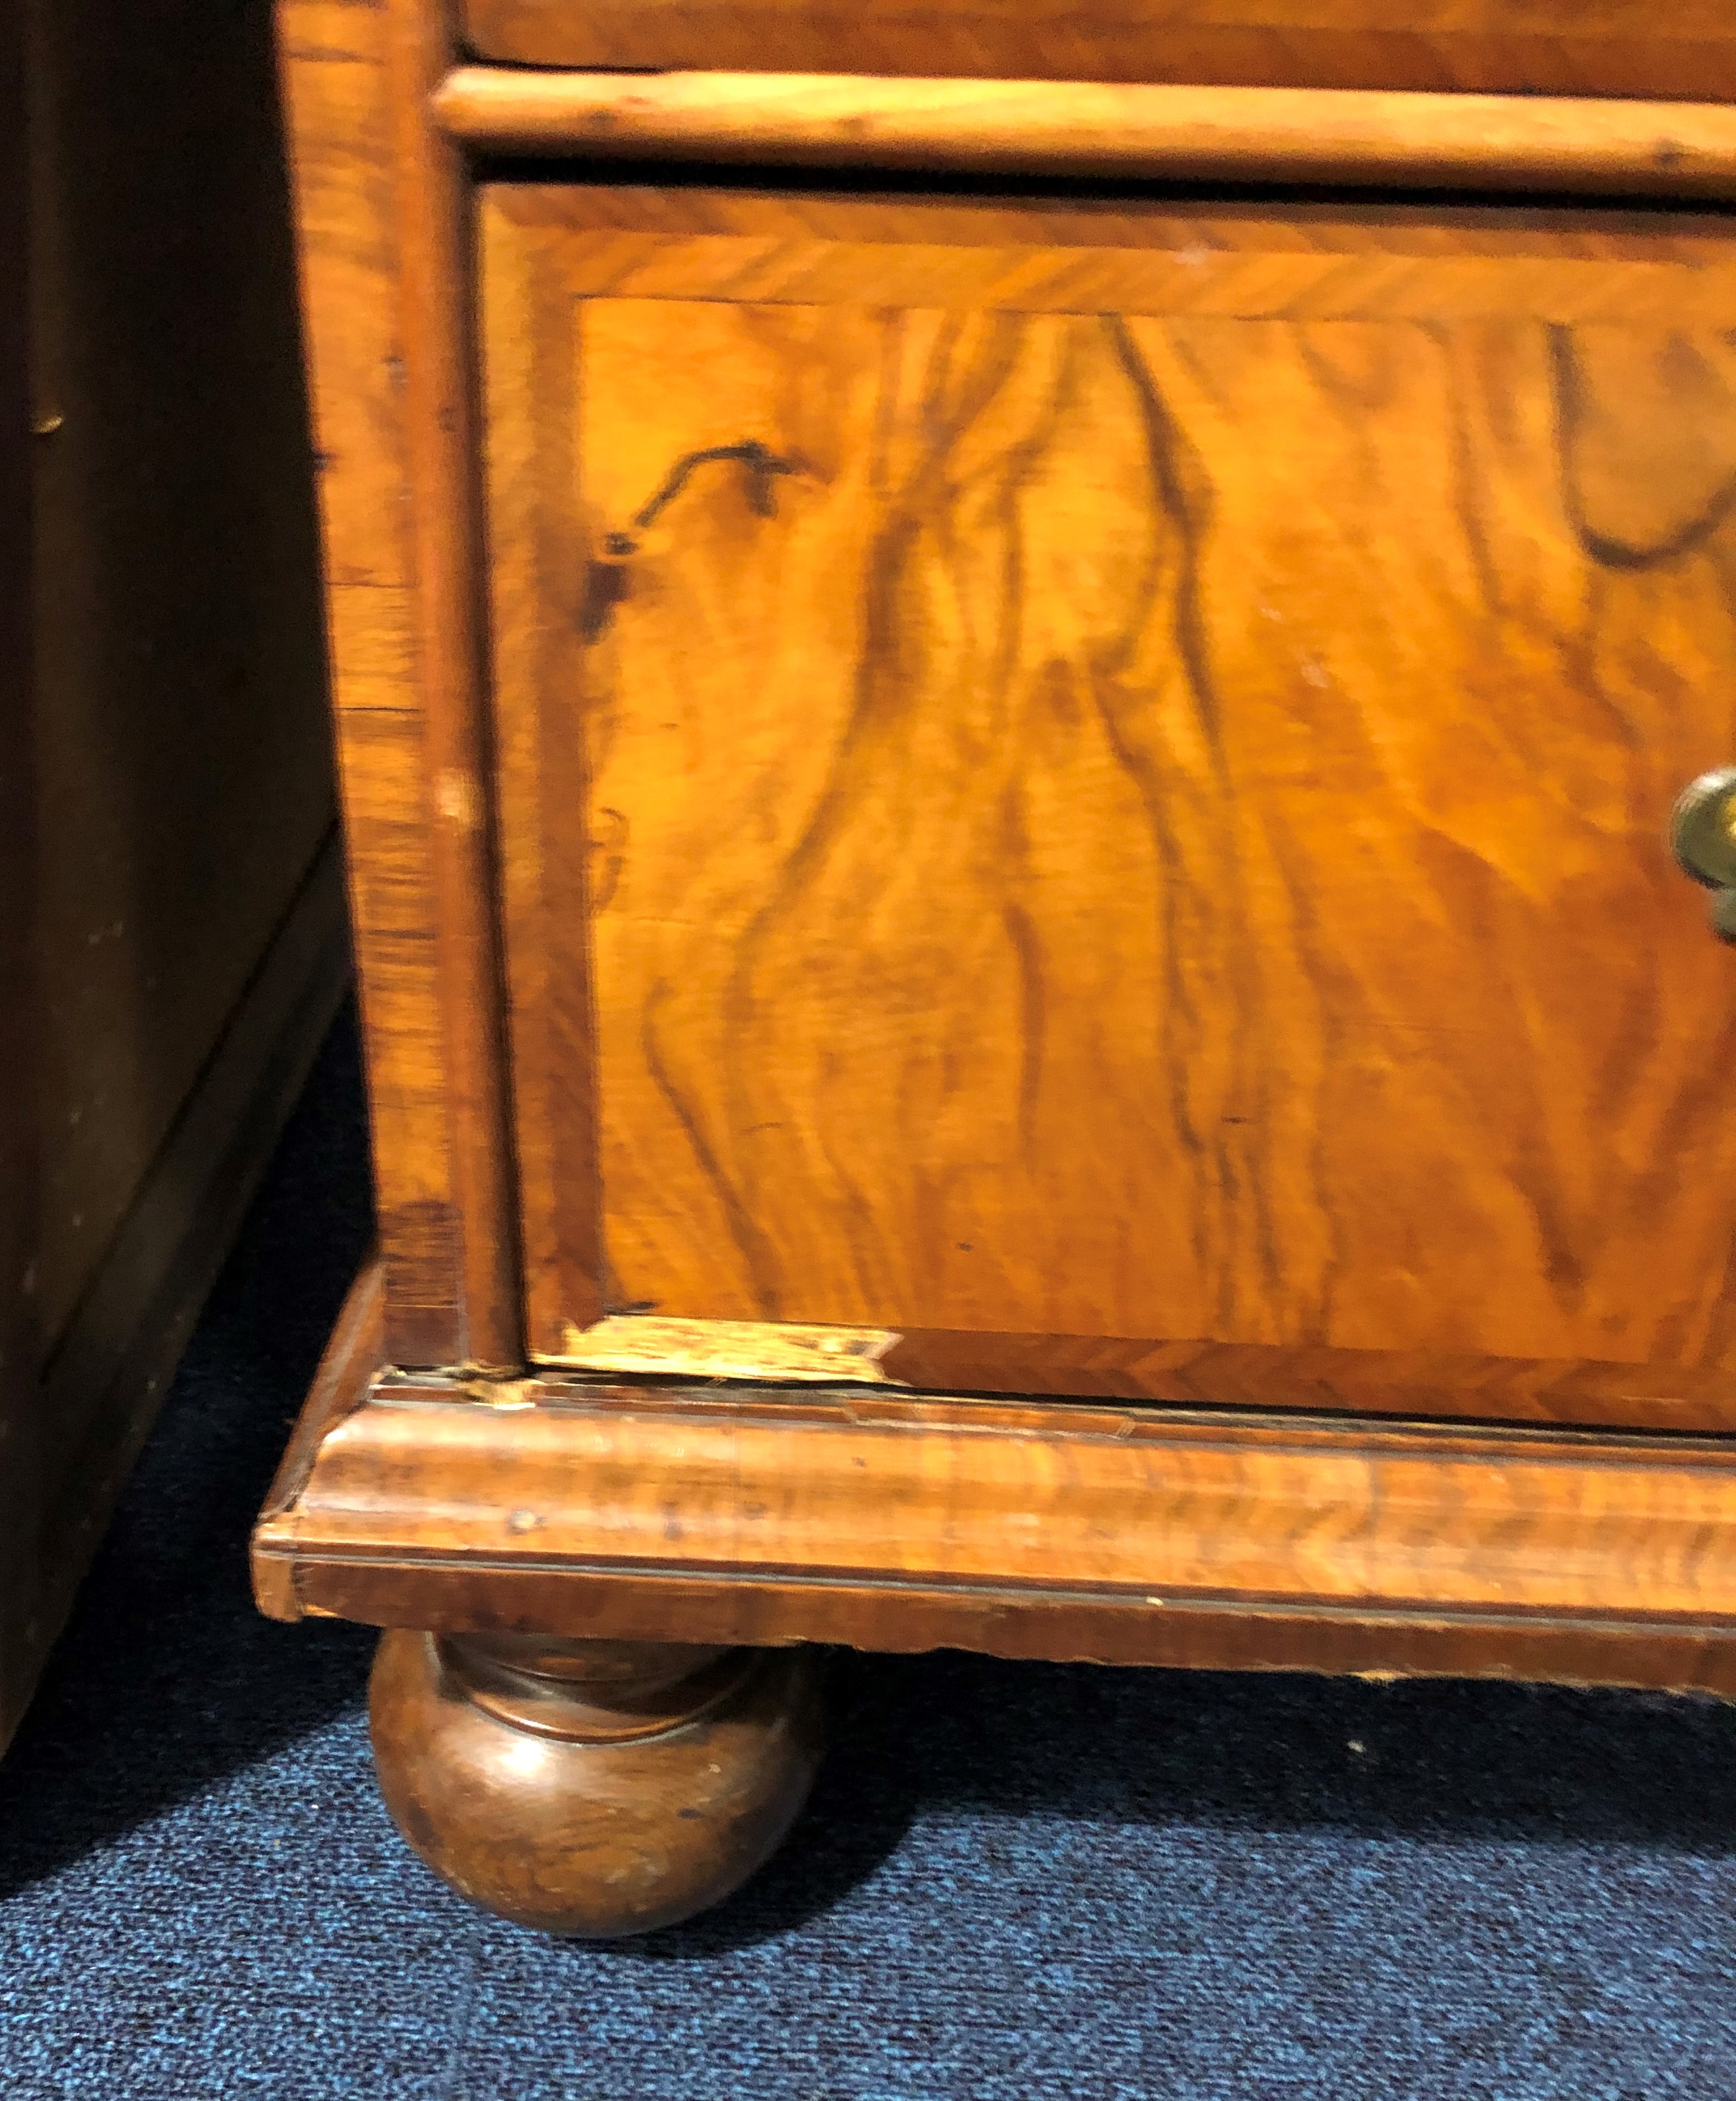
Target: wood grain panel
[
  {"x": 334, "y": 57},
  {"x": 1152, "y": 827},
  {"x": 1123, "y": 1535},
  {"x": 379, "y": 206},
  {"x": 1541, "y": 46},
  {"x": 544, "y": 869}
]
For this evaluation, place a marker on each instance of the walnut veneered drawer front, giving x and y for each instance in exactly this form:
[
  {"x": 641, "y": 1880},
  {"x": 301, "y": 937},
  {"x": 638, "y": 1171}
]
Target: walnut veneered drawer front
[
  {"x": 1520, "y": 46},
  {"x": 1085, "y": 789}
]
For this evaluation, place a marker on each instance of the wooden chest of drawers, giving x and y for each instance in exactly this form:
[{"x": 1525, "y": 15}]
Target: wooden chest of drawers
[{"x": 1013, "y": 738}]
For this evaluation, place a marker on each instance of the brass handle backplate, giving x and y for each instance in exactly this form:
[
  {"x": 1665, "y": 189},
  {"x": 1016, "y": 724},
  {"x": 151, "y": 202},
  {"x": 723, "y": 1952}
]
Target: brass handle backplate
[{"x": 1702, "y": 830}]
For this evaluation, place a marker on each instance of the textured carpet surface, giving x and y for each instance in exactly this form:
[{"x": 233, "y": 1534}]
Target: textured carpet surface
[{"x": 1015, "y": 1883}]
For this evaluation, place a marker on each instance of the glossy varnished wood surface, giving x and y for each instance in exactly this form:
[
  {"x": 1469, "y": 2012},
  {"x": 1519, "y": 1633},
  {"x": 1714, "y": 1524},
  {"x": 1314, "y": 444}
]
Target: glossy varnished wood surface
[
  {"x": 1141, "y": 856},
  {"x": 379, "y": 208},
  {"x": 557, "y": 1506},
  {"x": 1319, "y": 136},
  {"x": 1537, "y": 46},
  {"x": 594, "y": 1789}
]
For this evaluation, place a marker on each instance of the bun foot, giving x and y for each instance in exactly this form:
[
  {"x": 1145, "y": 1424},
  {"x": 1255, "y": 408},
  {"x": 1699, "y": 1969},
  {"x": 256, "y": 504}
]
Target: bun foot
[{"x": 591, "y": 1788}]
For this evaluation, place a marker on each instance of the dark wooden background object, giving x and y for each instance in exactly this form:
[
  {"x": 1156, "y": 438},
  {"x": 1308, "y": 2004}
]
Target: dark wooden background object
[
  {"x": 174, "y": 942},
  {"x": 20, "y": 1429}
]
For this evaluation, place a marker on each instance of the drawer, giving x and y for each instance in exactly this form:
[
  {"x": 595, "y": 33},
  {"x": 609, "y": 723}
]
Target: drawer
[
  {"x": 1084, "y": 791},
  {"x": 1539, "y": 46}
]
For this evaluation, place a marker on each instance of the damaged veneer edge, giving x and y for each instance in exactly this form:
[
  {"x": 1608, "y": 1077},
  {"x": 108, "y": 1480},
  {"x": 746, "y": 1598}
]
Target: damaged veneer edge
[{"x": 644, "y": 1343}]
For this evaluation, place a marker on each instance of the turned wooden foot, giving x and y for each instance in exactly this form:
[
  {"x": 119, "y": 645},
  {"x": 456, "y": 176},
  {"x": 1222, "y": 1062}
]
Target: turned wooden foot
[{"x": 593, "y": 1788}]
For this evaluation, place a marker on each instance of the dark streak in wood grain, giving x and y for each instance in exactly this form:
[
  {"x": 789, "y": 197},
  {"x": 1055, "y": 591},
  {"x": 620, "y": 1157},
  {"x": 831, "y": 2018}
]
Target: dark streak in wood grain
[
  {"x": 748, "y": 1238},
  {"x": 887, "y": 688},
  {"x": 1185, "y": 500},
  {"x": 1688, "y": 537}
]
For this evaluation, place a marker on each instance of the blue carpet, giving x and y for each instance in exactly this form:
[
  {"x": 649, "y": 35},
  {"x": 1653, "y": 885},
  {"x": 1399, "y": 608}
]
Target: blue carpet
[{"x": 1015, "y": 1883}]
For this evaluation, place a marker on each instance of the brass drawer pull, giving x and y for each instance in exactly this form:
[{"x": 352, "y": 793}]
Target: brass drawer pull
[{"x": 1702, "y": 830}]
